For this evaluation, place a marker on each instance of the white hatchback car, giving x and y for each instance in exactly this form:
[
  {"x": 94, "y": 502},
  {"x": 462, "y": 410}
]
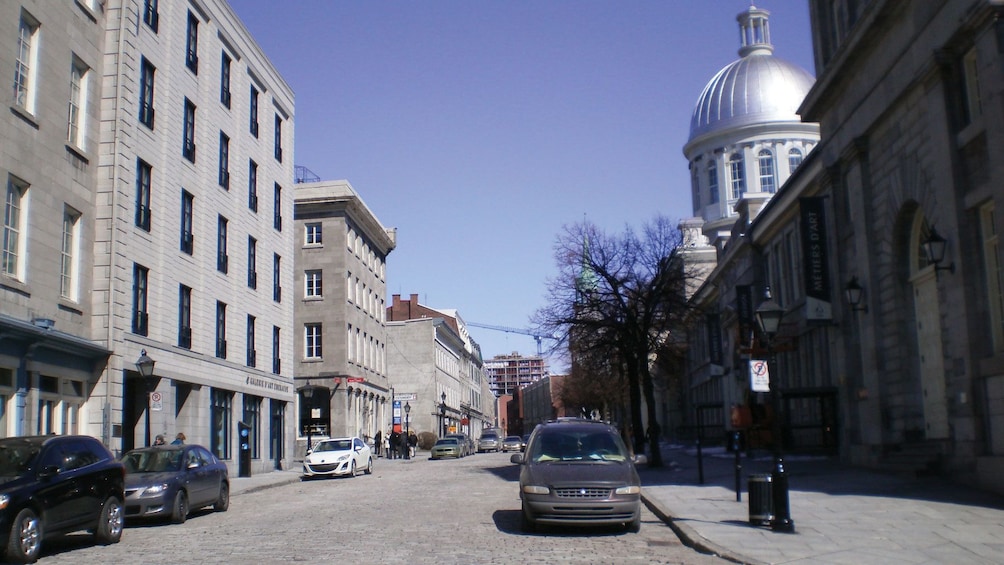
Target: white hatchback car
[{"x": 338, "y": 456}]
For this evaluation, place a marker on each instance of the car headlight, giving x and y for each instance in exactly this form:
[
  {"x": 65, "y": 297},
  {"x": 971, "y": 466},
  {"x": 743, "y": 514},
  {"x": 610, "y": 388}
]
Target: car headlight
[
  {"x": 628, "y": 490},
  {"x": 4, "y": 501},
  {"x": 156, "y": 489},
  {"x": 345, "y": 457},
  {"x": 536, "y": 489}
]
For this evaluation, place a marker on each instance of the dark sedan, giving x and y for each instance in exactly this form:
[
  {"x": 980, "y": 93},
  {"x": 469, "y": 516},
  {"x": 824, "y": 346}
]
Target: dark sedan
[{"x": 170, "y": 481}]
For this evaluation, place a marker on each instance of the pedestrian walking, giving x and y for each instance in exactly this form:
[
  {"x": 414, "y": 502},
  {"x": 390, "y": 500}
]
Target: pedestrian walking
[
  {"x": 403, "y": 445},
  {"x": 412, "y": 443},
  {"x": 395, "y": 444},
  {"x": 179, "y": 439},
  {"x": 159, "y": 440},
  {"x": 378, "y": 442}
]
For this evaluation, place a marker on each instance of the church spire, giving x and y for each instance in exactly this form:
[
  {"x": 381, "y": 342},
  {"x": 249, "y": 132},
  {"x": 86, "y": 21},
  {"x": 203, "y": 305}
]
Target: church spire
[{"x": 585, "y": 283}]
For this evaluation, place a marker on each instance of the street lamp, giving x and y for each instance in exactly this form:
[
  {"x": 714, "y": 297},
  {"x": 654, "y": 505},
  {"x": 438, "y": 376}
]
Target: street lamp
[
  {"x": 145, "y": 367},
  {"x": 308, "y": 395},
  {"x": 768, "y": 316},
  {"x": 442, "y": 415},
  {"x": 407, "y": 430}
]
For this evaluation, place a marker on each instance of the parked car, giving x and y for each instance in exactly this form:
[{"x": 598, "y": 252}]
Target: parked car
[
  {"x": 464, "y": 441},
  {"x": 447, "y": 447},
  {"x": 54, "y": 485},
  {"x": 578, "y": 473},
  {"x": 170, "y": 481},
  {"x": 489, "y": 441},
  {"x": 512, "y": 443},
  {"x": 338, "y": 456}
]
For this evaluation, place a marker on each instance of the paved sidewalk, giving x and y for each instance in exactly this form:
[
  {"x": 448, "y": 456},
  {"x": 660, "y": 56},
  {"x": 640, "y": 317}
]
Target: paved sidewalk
[{"x": 842, "y": 515}]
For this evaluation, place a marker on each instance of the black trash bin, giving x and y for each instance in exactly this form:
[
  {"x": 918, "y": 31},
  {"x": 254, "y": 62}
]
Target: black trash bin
[{"x": 761, "y": 499}]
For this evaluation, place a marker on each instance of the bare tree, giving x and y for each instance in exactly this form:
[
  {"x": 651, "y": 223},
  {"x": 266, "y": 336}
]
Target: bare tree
[{"x": 618, "y": 298}]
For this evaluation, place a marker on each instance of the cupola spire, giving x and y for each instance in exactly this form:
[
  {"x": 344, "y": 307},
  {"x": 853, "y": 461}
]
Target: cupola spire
[{"x": 754, "y": 32}]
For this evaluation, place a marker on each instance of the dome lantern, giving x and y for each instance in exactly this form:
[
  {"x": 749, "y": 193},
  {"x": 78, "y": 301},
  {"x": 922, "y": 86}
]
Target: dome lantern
[{"x": 754, "y": 29}]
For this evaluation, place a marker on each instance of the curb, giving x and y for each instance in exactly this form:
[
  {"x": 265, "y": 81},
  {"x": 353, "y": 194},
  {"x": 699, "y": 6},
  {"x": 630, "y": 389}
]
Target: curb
[{"x": 691, "y": 538}]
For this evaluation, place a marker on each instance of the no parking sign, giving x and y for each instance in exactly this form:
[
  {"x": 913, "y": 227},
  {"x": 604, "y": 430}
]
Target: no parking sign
[
  {"x": 156, "y": 401},
  {"x": 759, "y": 376}
]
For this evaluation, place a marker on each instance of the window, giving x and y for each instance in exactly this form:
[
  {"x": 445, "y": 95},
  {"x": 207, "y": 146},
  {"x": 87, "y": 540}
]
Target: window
[
  {"x": 277, "y": 207},
  {"x": 140, "y": 316},
  {"x": 188, "y": 148},
  {"x": 75, "y": 118},
  {"x": 144, "y": 174},
  {"x": 252, "y": 417},
  {"x": 151, "y": 16},
  {"x": 184, "y": 317},
  {"x": 252, "y": 185},
  {"x": 313, "y": 283},
  {"x": 312, "y": 341},
  {"x": 695, "y": 185},
  {"x": 254, "y": 111},
  {"x": 277, "y": 431},
  {"x": 187, "y": 220},
  {"x": 252, "y": 262},
  {"x": 278, "y": 138},
  {"x": 221, "y": 244},
  {"x": 251, "y": 353},
  {"x": 224, "y": 173},
  {"x": 276, "y": 289},
  {"x": 768, "y": 182},
  {"x": 14, "y": 224},
  {"x": 221, "y": 330},
  {"x": 794, "y": 160},
  {"x": 69, "y": 254},
  {"x": 713, "y": 181},
  {"x": 313, "y": 236},
  {"x": 994, "y": 274},
  {"x": 973, "y": 106},
  {"x": 219, "y": 442},
  {"x": 192, "y": 44},
  {"x": 276, "y": 358},
  {"x": 738, "y": 176},
  {"x": 225, "y": 79},
  {"x": 146, "y": 75},
  {"x": 26, "y": 64}
]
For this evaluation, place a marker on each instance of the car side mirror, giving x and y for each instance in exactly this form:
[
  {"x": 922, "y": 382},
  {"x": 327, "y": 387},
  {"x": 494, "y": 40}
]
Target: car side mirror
[
  {"x": 516, "y": 458},
  {"x": 640, "y": 459},
  {"x": 48, "y": 471}
]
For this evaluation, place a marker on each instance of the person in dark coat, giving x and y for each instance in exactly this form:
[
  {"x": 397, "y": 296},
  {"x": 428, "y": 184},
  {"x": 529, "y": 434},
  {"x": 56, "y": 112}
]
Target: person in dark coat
[
  {"x": 402, "y": 444},
  {"x": 378, "y": 442},
  {"x": 395, "y": 444}
]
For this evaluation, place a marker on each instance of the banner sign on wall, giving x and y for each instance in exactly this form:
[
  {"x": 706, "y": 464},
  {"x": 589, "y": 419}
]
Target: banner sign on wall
[{"x": 818, "y": 303}]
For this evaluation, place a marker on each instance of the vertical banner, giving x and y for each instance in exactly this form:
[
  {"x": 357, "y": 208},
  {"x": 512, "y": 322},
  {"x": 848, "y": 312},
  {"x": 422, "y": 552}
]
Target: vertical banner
[
  {"x": 396, "y": 416},
  {"x": 818, "y": 303},
  {"x": 744, "y": 312},
  {"x": 714, "y": 338}
]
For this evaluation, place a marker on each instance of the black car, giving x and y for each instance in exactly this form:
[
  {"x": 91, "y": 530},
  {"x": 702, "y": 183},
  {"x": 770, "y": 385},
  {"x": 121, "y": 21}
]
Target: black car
[
  {"x": 169, "y": 481},
  {"x": 578, "y": 472},
  {"x": 53, "y": 485}
]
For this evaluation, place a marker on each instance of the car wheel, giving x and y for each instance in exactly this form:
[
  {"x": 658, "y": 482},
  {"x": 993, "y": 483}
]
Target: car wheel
[
  {"x": 634, "y": 526},
  {"x": 526, "y": 524},
  {"x": 369, "y": 467},
  {"x": 352, "y": 471},
  {"x": 110, "y": 522},
  {"x": 223, "y": 502},
  {"x": 179, "y": 513},
  {"x": 25, "y": 540}
]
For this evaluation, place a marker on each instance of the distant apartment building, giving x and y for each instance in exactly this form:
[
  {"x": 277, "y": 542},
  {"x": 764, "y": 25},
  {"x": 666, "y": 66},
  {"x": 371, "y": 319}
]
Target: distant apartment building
[
  {"x": 341, "y": 340},
  {"x": 147, "y": 176},
  {"x": 507, "y": 373},
  {"x": 436, "y": 370}
]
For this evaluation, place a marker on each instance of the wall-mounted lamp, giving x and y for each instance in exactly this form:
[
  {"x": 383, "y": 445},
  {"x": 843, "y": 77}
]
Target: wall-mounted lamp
[
  {"x": 934, "y": 247},
  {"x": 854, "y": 293},
  {"x": 145, "y": 365}
]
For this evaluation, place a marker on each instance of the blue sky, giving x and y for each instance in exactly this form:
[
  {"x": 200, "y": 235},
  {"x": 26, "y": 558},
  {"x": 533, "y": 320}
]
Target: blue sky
[{"x": 479, "y": 128}]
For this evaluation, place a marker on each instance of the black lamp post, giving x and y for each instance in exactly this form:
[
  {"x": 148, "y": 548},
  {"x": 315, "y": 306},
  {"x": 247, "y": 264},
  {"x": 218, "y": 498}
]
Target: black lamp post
[
  {"x": 145, "y": 367},
  {"x": 407, "y": 430},
  {"x": 442, "y": 415},
  {"x": 308, "y": 396},
  {"x": 768, "y": 316}
]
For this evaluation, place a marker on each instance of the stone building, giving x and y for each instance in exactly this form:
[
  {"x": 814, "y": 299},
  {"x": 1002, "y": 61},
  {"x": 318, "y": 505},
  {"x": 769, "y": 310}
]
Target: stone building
[{"x": 341, "y": 340}]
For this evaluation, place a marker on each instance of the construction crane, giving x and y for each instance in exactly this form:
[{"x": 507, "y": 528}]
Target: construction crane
[{"x": 535, "y": 335}]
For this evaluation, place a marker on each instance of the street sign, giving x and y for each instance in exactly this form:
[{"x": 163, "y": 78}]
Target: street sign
[
  {"x": 759, "y": 376},
  {"x": 156, "y": 401}
]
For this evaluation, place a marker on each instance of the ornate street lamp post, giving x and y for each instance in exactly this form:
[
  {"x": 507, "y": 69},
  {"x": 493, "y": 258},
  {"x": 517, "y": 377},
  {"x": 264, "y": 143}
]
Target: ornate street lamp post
[
  {"x": 407, "y": 430},
  {"x": 768, "y": 316},
  {"x": 145, "y": 367},
  {"x": 442, "y": 415}
]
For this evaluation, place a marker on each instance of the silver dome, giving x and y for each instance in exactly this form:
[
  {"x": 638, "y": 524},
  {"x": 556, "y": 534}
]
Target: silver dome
[{"x": 756, "y": 88}]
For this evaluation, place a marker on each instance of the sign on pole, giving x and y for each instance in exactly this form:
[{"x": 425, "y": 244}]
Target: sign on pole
[
  {"x": 156, "y": 401},
  {"x": 759, "y": 376}
]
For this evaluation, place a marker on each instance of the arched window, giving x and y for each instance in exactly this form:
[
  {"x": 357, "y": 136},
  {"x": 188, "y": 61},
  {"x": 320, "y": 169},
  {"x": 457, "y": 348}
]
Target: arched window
[
  {"x": 768, "y": 180},
  {"x": 713, "y": 181},
  {"x": 794, "y": 160},
  {"x": 738, "y": 176}
]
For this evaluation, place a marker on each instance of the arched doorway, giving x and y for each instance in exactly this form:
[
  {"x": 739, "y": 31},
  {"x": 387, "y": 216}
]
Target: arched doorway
[{"x": 927, "y": 317}]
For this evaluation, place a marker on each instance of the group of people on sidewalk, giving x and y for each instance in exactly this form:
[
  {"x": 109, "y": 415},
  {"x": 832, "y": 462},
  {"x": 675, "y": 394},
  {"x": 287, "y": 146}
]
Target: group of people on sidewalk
[{"x": 395, "y": 444}]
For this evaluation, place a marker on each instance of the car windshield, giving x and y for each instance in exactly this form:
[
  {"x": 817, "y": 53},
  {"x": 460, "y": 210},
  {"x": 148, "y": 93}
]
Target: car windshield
[
  {"x": 152, "y": 461},
  {"x": 447, "y": 441},
  {"x": 577, "y": 445},
  {"x": 334, "y": 445},
  {"x": 16, "y": 459}
]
